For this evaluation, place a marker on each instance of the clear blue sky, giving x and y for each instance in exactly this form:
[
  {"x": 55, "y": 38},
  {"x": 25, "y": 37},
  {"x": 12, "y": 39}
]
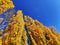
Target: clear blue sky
[{"x": 46, "y": 11}]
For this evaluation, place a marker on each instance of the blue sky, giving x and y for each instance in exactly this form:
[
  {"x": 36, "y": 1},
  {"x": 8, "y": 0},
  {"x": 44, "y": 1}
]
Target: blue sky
[{"x": 46, "y": 11}]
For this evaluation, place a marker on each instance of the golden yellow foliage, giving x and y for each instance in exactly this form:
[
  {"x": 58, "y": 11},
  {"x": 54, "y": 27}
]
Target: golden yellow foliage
[
  {"x": 40, "y": 33},
  {"x": 15, "y": 31},
  {"x": 5, "y": 5},
  {"x": 17, "y": 34}
]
